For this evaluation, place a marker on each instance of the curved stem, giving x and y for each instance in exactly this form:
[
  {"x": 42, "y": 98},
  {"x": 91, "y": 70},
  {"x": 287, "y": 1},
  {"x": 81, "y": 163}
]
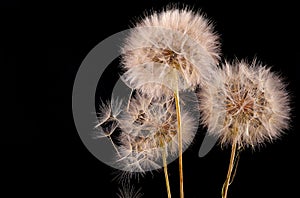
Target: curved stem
[
  {"x": 231, "y": 165},
  {"x": 236, "y": 162},
  {"x": 176, "y": 96},
  {"x": 166, "y": 172}
]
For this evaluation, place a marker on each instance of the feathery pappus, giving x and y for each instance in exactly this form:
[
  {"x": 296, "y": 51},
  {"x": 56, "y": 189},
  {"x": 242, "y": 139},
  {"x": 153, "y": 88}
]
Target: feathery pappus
[
  {"x": 245, "y": 103},
  {"x": 174, "y": 48},
  {"x": 149, "y": 128}
]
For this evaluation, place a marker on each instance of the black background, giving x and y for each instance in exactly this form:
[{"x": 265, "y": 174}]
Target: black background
[{"x": 45, "y": 43}]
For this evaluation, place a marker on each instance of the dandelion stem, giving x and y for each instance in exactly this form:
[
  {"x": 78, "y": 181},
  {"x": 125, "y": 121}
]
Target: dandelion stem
[
  {"x": 236, "y": 162},
  {"x": 230, "y": 168},
  {"x": 166, "y": 172},
  {"x": 176, "y": 95}
]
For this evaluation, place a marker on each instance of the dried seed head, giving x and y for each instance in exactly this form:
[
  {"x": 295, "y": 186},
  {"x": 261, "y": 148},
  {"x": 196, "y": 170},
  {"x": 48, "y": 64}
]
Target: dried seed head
[
  {"x": 245, "y": 103},
  {"x": 149, "y": 128},
  {"x": 168, "y": 44}
]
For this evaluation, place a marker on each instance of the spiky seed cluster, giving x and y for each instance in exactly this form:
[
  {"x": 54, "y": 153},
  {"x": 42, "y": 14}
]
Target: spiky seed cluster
[
  {"x": 128, "y": 191},
  {"x": 167, "y": 44},
  {"x": 245, "y": 103},
  {"x": 150, "y": 128}
]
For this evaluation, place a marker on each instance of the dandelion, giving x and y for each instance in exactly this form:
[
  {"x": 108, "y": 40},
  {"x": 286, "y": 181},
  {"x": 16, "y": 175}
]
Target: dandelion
[
  {"x": 150, "y": 134},
  {"x": 174, "y": 49},
  {"x": 245, "y": 105},
  {"x": 171, "y": 43}
]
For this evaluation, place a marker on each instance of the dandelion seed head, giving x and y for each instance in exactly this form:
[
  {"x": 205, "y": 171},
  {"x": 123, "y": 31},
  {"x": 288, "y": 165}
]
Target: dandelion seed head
[
  {"x": 171, "y": 43},
  {"x": 150, "y": 128},
  {"x": 245, "y": 103}
]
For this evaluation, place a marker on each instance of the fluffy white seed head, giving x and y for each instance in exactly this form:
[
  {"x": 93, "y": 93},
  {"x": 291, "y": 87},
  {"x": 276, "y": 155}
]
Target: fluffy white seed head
[
  {"x": 245, "y": 103},
  {"x": 150, "y": 128},
  {"x": 174, "y": 47}
]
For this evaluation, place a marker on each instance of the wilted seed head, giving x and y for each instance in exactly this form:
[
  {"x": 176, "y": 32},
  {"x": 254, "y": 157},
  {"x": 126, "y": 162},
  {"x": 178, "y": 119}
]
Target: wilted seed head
[
  {"x": 149, "y": 128},
  {"x": 245, "y": 103},
  {"x": 173, "y": 42}
]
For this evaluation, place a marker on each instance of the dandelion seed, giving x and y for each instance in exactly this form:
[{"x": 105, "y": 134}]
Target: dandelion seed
[
  {"x": 108, "y": 120},
  {"x": 109, "y": 111},
  {"x": 244, "y": 105}
]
